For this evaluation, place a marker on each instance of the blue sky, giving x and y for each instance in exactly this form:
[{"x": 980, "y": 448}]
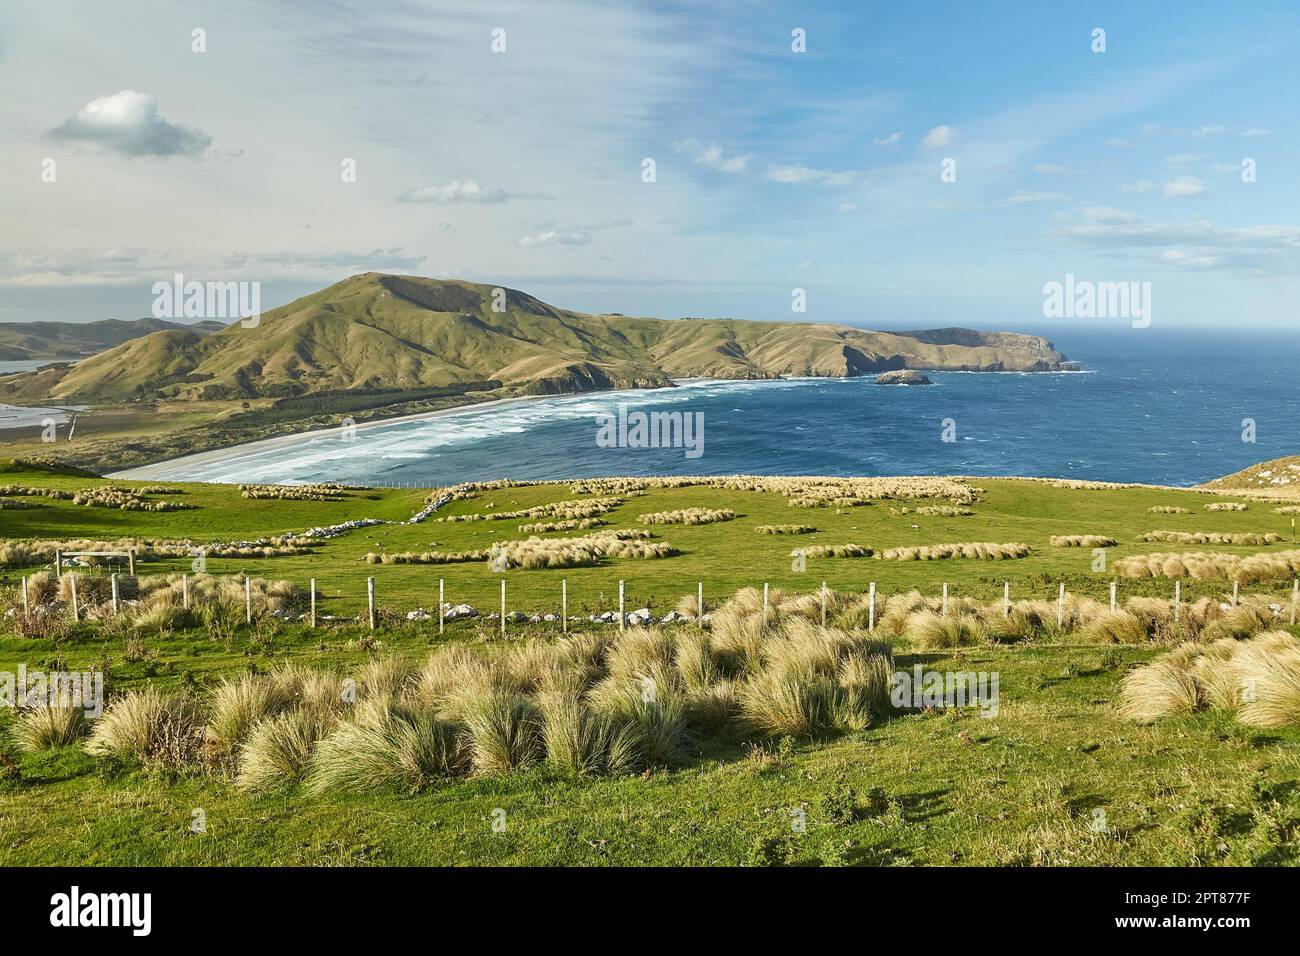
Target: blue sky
[{"x": 775, "y": 170}]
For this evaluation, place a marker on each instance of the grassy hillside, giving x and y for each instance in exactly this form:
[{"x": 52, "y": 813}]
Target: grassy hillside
[
  {"x": 382, "y": 332},
  {"x": 68, "y": 340},
  {"x": 927, "y": 787},
  {"x": 1280, "y": 477}
]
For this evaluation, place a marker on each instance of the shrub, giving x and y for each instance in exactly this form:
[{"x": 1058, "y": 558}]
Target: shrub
[
  {"x": 1168, "y": 510},
  {"x": 785, "y": 529},
  {"x": 1225, "y": 506}
]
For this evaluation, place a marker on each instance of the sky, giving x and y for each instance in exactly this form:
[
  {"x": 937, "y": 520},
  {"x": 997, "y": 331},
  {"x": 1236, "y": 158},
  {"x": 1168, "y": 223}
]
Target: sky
[{"x": 912, "y": 165}]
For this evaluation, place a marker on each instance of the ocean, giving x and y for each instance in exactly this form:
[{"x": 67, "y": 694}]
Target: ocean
[{"x": 1163, "y": 406}]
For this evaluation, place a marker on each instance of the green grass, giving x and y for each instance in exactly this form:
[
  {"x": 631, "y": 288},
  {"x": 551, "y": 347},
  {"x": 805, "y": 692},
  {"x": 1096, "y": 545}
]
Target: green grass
[{"x": 929, "y": 788}]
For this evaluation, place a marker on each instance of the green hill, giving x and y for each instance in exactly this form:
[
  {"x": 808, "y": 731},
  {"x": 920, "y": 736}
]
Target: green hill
[
  {"x": 33, "y": 341},
  {"x": 377, "y": 331}
]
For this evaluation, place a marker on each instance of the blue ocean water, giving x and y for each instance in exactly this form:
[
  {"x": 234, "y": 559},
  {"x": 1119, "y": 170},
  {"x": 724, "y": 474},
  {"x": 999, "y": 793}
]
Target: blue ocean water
[{"x": 1150, "y": 405}]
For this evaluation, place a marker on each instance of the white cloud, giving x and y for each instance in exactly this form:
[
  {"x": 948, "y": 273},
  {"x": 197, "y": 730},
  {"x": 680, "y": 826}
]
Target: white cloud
[
  {"x": 893, "y": 139},
  {"x": 846, "y": 208},
  {"x": 1107, "y": 214},
  {"x": 1184, "y": 187},
  {"x": 938, "y": 137},
  {"x": 1119, "y": 142},
  {"x": 1186, "y": 159},
  {"x": 457, "y": 191},
  {"x": 1050, "y": 169},
  {"x": 1256, "y": 131},
  {"x": 127, "y": 122},
  {"x": 796, "y": 174},
  {"x": 1022, "y": 197},
  {"x": 554, "y": 237},
  {"x": 714, "y": 158},
  {"x": 1205, "y": 131},
  {"x": 1141, "y": 186}
]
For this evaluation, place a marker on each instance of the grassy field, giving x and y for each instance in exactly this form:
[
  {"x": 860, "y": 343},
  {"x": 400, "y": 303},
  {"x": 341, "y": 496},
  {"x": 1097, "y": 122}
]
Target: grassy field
[{"x": 935, "y": 787}]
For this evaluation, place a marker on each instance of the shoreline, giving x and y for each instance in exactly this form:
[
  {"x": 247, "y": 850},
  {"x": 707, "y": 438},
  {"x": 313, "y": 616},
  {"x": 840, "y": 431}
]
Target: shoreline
[{"x": 154, "y": 471}]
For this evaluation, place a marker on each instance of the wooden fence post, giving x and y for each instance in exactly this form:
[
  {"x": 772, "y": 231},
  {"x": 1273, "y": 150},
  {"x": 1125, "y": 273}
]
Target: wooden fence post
[
  {"x": 699, "y": 600},
  {"x": 564, "y": 605},
  {"x": 622, "y": 616},
  {"x": 1006, "y": 598},
  {"x": 185, "y": 591},
  {"x": 312, "y": 589},
  {"x": 871, "y": 608},
  {"x": 503, "y": 606},
  {"x": 1178, "y": 599},
  {"x": 130, "y": 561},
  {"x": 1113, "y": 599},
  {"x": 1236, "y": 592},
  {"x": 1060, "y": 606},
  {"x": 28, "y": 610},
  {"x": 58, "y": 563},
  {"x": 112, "y": 582},
  {"x": 370, "y": 600},
  {"x": 823, "y": 605},
  {"x": 248, "y": 600},
  {"x": 76, "y": 613},
  {"x": 765, "y": 604},
  {"x": 442, "y": 601}
]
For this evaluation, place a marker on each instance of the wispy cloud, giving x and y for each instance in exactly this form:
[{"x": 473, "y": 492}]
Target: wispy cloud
[
  {"x": 1184, "y": 187},
  {"x": 938, "y": 137}
]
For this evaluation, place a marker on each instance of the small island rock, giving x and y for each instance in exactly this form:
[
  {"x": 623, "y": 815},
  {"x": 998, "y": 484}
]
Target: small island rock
[{"x": 903, "y": 376}]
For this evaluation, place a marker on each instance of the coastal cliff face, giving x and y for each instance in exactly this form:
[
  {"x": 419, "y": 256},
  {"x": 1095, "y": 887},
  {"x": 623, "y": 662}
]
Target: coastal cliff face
[{"x": 386, "y": 332}]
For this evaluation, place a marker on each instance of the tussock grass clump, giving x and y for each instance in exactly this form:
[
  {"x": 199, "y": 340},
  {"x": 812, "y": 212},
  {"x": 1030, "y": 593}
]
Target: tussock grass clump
[
  {"x": 1168, "y": 510},
  {"x": 1082, "y": 541},
  {"x": 834, "y": 551},
  {"x": 689, "y": 516},
  {"x": 785, "y": 529},
  {"x": 44, "y": 728},
  {"x": 122, "y": 499},
  {"x": 279, "y": 749},
  {"x": 1257, "y": 680},
  {"x": 317, "y": 492},
  {"x": 502, "y": 731},
  {"x": 236, "y": 705},
  {"x": 1114, "y": 627},
  {"x": 1209, "y": 565},
  {"x": 982, "y": 550},
  {"x": 1287, "y": 510},
  {"x": 573, "y": 524},
  {"x": 933, "y": 511},
  {"x": 151, "y": 727},
  {"x": 1210, "y": 537},
  {"x": 928, "y": 630},
  {"x": 1157, "y": 690},
  {"x": 1225, "y": 506},
  {"x": 386, "y": 748}
]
